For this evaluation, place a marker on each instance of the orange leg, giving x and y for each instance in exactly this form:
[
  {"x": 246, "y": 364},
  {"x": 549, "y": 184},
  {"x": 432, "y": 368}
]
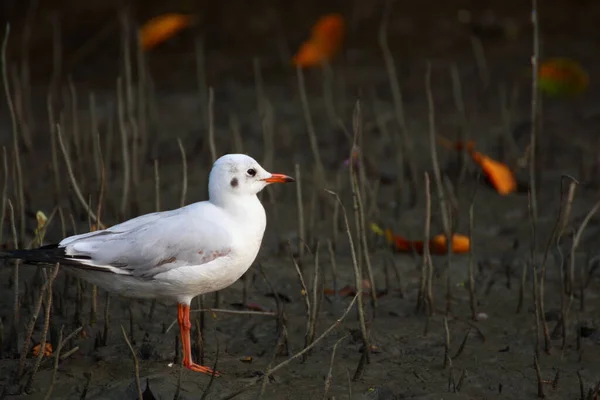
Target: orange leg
[{"x": 183, "y": 316}]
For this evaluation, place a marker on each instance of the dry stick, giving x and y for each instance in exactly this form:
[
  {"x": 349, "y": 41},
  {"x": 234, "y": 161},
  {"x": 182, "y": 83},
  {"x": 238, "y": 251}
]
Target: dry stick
[
  {"x": 447, "y": 359},
  {"x": 421, "y": 298},
  {"x": 57, "y": 356},
  {"x": 74, "y": 181},
  {"x": 438, "y": 181},
  {"x": 16, "y": 305},
  {"x": 4, "y": 195},
  {"x": 333, "y": 265},
  {"x": 426, "y": 250},
  {"x": 464, "y": 129},
  {"x": 336, "y": 210},
  {"x": 328, "y": 92},
  {"x": 300, "y": 208},
  {"x": 574, "y": 245},
  {"x": 15, "y": 134},
  {"x": 540, "y": 382},
  {"x": 142, "y": 98},
  {"x": 50, "y": 279},
  {"x": 95, "y": 134},
  {"x": 563, "y": 277},
  {"x": 535, "y": 115},
  {"x": 506, "y": 110},
  {"x": 130, "y": 106},
  {"x": 156, "y": 186},
  {"x": 25, "y": 71},
  {"x": 315, "y": 298},
  {"x": 276, "y": 368},
  {"x": 55, "y": 165},
  {"x": 472, "y": 298},
  {"x": 397, "y": 96},
  {"x": 211, "y": 124},
  {"x": 559, "y": 220},
  {"x": 184, "y": 173},
  {"x": 463, "y": 344},
  {"x": 357, "y": 194},
  {"x": 359, "y": 292},
  {"x": 534, "y": 273},
  {"x": 76, "y": 137},
  {"x": 106, "y": 319},
  {"x": 135, "y": 364},
  {"x": 310, "y": 128},
  {"x": 330, "y": 372},
  {"x": 268, "y": 130},
  {"x": 30, "y": 328},
  {"x": 124, "y": 148},
  {"x": 308, "y": 306}
]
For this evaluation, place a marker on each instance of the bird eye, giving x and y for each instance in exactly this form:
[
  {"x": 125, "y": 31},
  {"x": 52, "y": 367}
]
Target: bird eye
[{"x": 251, "y": 172}]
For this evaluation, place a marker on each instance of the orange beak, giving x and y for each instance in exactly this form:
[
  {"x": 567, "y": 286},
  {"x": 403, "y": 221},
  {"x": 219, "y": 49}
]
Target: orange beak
[{"x": 279, "y": 178}]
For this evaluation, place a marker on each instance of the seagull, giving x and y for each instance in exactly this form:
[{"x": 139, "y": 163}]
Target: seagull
[{"x": 178, "y": 254}]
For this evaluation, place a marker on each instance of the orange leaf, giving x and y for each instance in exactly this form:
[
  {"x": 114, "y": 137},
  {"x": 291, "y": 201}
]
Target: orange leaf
[
  {"x": 47, "y": 350},
  {"x": 162, "y": 28},
  {"x": 325, "y": 41},
  {"x": 498, "y": 174},
  {"x": 562, "y": 77},
  {"x": 460, "y": 244}
]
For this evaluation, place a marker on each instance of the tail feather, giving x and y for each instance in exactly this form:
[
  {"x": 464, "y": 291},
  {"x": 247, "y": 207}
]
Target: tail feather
[{"x": 50, "y": 254}]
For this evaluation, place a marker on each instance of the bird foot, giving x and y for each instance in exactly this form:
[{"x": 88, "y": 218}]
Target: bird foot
[{"x": 201, "y": 368}]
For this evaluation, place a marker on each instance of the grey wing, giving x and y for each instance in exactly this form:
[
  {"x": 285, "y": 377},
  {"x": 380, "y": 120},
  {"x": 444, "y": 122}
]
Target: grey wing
[{"x": 175, "y": 240}]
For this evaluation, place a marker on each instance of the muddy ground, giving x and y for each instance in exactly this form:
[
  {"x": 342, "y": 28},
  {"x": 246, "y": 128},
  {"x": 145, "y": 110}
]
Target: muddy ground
[{"x": 497, "y": 358}]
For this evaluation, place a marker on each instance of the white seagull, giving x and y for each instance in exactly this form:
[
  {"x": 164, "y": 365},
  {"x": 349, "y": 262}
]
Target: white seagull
[{"x": 177, "y": 254}]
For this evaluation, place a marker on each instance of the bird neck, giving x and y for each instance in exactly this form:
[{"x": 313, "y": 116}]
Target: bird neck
[{"x": 248, "y": 210}]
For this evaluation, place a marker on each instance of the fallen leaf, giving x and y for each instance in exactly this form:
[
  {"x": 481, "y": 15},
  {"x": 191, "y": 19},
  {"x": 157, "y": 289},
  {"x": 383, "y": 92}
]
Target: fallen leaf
[
  {"x": 376, "y": 229},
  {"x": 247, "y": 359},
  {"x": 498, "y": 174},
  {"x": 325, "y": 42},
  {"x": 460, "y": 244},
  {"x": 562, "y": 77},
  {"x": 47, "y": 350},
  {"x": 162, "y": 28}
]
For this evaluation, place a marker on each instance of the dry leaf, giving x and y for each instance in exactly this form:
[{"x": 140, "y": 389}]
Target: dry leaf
[
  {"x": 47, "y": 350},
  {"x": 162, "y": 28},
  {"x": 562, "y": 77},
  {"x": 325, "y": 42}
]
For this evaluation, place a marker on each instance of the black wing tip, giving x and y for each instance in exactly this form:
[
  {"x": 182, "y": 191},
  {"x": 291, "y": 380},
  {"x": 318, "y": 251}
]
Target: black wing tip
[{"x": 48, "y": 254}]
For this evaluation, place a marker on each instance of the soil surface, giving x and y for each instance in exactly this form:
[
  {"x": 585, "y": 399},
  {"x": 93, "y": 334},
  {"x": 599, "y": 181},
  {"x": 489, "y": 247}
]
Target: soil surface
[{"x": 487, "y": 45}]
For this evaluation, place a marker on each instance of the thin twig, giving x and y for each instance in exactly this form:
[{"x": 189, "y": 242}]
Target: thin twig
[
  {"x": 330, "y": 372},
  {"x": 40, "y": 355},
  {"x": 184, "y": 173},
  {"x": 135, "y": 364},
  {"x": 271, "y": 371},
  {"x": 310, "y": 128},
  {"x": 76, "y": 188},
  {"x": 358, "y": 279}
]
